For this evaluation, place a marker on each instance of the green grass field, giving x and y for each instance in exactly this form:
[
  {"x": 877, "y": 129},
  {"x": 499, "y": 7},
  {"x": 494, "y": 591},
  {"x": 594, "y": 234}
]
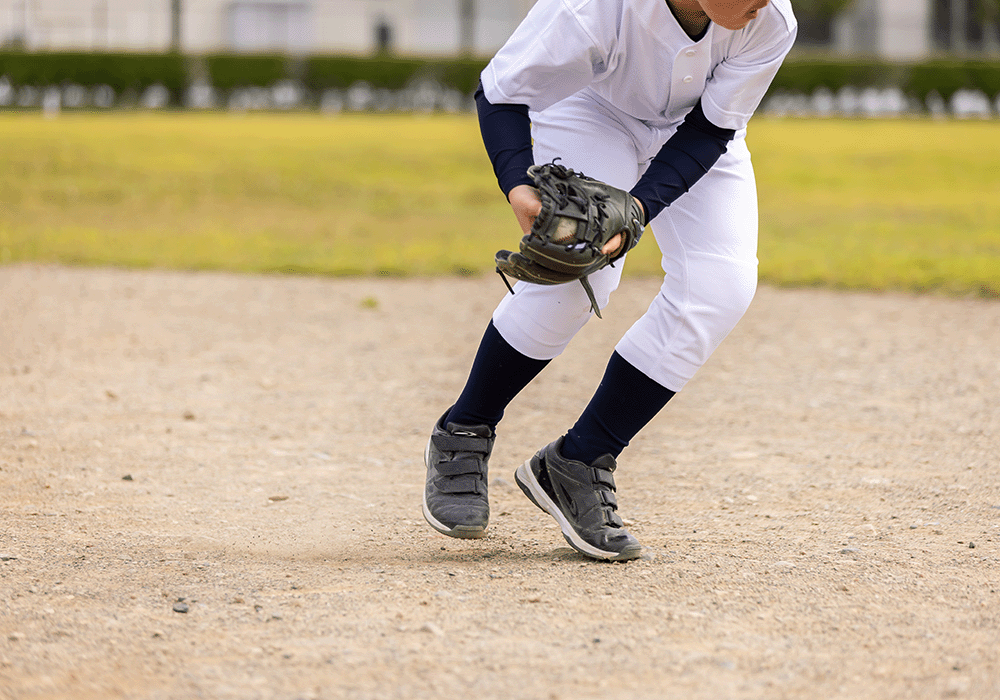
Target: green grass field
[{"x": 910, "y": 205}]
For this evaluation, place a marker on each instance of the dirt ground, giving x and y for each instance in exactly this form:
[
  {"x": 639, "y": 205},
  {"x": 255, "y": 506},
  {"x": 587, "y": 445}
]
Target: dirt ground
[{"x": 820, "y": 507}]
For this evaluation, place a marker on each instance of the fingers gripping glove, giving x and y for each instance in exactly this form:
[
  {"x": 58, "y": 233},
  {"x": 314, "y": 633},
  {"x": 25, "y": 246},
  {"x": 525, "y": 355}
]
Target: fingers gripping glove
[{"x": 579, "y": 216}]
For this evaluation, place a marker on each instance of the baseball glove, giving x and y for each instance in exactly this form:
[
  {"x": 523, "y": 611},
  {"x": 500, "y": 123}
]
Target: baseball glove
[{"x": 579, "y": 216}]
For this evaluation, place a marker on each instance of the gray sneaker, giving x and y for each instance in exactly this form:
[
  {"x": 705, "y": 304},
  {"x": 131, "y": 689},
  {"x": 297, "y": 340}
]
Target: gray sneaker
[
  {"x": 456, "y": 501},
  {"x": 582, "y": 499}
]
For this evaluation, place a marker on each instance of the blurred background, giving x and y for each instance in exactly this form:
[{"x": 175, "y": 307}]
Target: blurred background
[
  {"x": 338, "y": 137},
  {"x": 855, "y": 57},
  {"x": 894, "y": 29}
]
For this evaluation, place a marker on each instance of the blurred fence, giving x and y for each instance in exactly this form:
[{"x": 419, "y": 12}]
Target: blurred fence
[
  {"x": 52, "y": 83},
  {"x": 874, "y": 103}
]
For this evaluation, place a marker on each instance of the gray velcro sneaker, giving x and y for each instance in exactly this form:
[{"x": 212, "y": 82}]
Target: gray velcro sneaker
[
  {"x": 456, "y": 502},
  {"x": 581, "y": 497}
]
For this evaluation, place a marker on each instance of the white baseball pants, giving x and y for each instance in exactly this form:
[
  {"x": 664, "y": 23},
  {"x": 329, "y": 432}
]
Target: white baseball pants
[{"x": 708, "y": 241}]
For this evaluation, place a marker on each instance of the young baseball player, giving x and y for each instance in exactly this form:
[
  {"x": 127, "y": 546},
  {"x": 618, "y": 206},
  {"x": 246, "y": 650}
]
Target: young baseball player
[{"x": 652, "y": 97}]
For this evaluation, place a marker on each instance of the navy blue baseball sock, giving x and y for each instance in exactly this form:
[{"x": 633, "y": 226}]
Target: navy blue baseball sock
[
  {"x": 622, "y": 405},
  {"x": 498, "y": 374}
]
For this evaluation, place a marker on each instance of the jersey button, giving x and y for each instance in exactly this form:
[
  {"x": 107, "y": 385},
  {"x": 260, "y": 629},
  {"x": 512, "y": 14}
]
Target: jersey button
[
  {"x": 690, "y": 52},
  {"x": 688, "y": 78}
]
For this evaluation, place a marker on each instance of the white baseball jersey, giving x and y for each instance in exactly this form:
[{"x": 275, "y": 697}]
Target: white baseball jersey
[
  {"x": 634, "y": 55},
  {"x": 607, "y": 83}
]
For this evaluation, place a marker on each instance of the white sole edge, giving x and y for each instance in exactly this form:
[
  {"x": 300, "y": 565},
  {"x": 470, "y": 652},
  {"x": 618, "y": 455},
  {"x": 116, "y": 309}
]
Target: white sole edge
[{"x": 527, "y": 476}]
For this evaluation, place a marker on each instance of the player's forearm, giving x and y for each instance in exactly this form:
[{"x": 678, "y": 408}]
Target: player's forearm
[
  {"x": 506, "y": 131},
  {"x": 682, "y": 161}
]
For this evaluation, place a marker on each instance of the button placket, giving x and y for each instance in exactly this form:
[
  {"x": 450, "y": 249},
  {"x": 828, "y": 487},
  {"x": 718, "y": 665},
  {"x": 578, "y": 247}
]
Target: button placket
[{"x": 687, "y": 79}]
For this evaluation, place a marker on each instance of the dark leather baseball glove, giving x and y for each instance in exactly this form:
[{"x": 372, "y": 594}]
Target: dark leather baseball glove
[{"x": 579, "y": 216}]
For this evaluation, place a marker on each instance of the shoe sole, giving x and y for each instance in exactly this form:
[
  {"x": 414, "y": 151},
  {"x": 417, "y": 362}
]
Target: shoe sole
[
  {"x": 525, "y": 478},
  {"x": 462, "y": 532}
]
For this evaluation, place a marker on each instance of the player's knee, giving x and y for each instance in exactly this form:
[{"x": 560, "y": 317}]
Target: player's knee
[
  {"x": 737, "y": 291},
  {"x": 725, "y": 291}
]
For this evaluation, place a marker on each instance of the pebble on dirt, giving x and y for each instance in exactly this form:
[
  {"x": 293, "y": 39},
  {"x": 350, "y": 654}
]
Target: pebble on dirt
[
  {"x": 180, "y": 607},
  {"x": 432, "y": 629}
]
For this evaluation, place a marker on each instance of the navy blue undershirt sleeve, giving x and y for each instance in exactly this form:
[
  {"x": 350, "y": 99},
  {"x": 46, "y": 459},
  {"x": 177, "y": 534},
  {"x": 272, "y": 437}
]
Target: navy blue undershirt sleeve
[
  {"x": 684, "y": 158},
  {"x": 506, "y": 130}
]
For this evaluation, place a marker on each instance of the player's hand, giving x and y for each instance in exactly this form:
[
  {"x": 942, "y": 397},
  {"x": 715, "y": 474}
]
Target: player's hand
[
  {"x": 526, "y": 204},
  {"x": 612, "y": 246}
]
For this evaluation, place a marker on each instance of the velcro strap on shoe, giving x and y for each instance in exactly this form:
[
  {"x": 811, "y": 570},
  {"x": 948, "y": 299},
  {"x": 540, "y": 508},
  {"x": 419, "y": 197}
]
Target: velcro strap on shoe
[
  {"x": 602, "y": 477},
  {"x": 461, "y": 484},
  {"x": 458, "y": 467},
  {"x": 613, "y": 519},
  {"x": 461, "y": 443}
]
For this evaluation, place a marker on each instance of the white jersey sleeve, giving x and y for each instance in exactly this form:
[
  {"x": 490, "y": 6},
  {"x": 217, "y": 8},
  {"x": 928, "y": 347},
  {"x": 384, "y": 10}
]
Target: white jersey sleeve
[
  {"x": 560, "y": 47},
  {"x": 635, "y": 56},
  {"x": 738, "y": 84}
]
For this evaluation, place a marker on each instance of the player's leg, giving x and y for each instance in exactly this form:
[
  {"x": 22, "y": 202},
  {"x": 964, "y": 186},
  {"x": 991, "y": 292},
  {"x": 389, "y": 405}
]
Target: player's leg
[
  {"x": 540, "y": 320},
  {"x": 537, "y": 322},
  {"x": 528, "y": 329},
  {"x": 708, "y": 239},
  {"x": 456, "y": 500}
]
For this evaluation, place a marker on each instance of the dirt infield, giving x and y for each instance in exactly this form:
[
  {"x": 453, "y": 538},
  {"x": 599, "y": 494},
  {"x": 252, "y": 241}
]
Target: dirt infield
[{"x": 820, "y": 507}]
